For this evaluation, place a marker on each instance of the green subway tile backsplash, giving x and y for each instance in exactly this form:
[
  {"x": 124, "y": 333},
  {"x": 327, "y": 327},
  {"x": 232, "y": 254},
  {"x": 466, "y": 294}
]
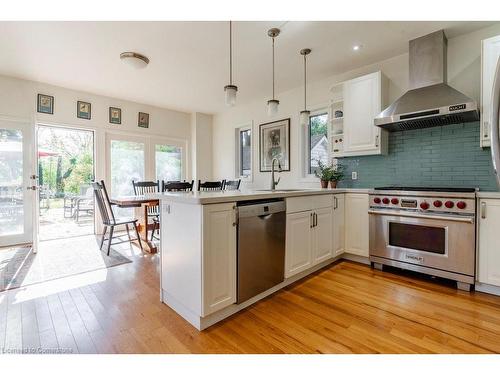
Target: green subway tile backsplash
[{"x": 442, "y": 156}]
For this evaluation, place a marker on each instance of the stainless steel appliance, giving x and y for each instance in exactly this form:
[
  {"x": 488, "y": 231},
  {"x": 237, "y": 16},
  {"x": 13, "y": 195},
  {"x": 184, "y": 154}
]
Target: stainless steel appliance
[
  {"x": 495, "y": 124},
  {"x": 428, "y": 230},
  {"x": 261, "y": 246},
  {"x": 430, "y": 101}
]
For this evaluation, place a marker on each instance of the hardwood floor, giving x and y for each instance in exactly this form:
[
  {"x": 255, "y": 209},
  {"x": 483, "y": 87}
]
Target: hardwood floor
[{"x": 346, "y": 308}]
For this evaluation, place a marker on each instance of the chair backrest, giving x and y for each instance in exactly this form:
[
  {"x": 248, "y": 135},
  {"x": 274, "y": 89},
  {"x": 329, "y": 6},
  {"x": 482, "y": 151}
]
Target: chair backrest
[
  {"x": 232, "y": 184},
  {"x": 210, "y": 185},
  {"x": 177, "y": 186},
  {"x": 102, "y": 199},
  {"x": 145, "y": 187}
]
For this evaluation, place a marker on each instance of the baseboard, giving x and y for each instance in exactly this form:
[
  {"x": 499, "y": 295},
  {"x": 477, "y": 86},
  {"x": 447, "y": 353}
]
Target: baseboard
[
  {"x": 486, "y": 288},
  {"x": 356, "y": 258}
]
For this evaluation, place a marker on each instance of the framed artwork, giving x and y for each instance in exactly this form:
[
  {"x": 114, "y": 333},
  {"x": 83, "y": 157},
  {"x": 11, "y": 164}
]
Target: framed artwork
[
  {"x": 143, "y": 120},
  {"x": 45, "y": 104},
  {"x": 83, "y": 110},
  {"x": 115, "y": 115},
  {"x": 274, "y": 143}
]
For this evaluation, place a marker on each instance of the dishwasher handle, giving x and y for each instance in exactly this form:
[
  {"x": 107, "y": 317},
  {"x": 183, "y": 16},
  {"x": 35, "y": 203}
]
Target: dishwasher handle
[{"x": 261, "y": 209}]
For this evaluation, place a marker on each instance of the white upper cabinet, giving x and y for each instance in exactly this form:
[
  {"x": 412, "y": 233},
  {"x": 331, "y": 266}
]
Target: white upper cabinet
[
  {"x": 490, "y": 52},
  {"x": 489, "y": 249},
  {"x": 363, "y": 99}
]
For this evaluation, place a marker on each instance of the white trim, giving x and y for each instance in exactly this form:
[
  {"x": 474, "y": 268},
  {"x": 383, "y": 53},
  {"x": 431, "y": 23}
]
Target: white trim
[
  {"x": 237, "y": 153},
  {"x": 305, "y": 176}
]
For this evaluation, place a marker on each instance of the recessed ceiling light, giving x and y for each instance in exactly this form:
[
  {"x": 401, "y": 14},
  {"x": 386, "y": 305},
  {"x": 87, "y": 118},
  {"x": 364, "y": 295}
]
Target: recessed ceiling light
[
  {"x": 134, "y": 59},
  {"x": 356, "y": 47}
]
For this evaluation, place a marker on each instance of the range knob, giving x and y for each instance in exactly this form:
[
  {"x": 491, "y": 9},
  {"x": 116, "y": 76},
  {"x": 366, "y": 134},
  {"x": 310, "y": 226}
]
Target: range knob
[
  {"x": 449, "y": 204},
  {"x": 438, "y": 203},
  {"x": 377, "y": 200},
  {"x": 461, "y": 205},
  {"x": 386, "y": 200},
  {"x": 394, "y": 200},
  {"x": 424, "y": 206}
]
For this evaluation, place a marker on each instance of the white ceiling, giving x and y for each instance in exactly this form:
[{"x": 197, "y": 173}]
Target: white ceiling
[{"x": 189, "y": 60}]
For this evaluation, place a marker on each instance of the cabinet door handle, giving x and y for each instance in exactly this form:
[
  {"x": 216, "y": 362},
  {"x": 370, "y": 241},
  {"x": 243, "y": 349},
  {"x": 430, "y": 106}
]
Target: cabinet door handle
[
  {"x": 483, "y": 210},
  {"x": 311, "y": 220},
  {"x": 486, "y": 131},
  {"x": 315, "y": 219},
  {"x": 335, "y": 203},
  {"x": 376, "y": 140}
]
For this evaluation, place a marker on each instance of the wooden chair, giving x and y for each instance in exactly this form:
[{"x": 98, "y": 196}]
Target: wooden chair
[
  {"x": 210, "y": 185},
  {"x": 232, "y": 184},
  {"x": 177, "y": 186},
  {"x": 147, "y": 187},
  {"x": 108, "y": 216}
]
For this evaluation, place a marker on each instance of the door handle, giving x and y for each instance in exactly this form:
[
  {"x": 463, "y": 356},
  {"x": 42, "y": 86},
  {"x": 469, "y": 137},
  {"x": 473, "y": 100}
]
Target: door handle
[
  {"x": 335, "y": 203},
  {"x": 311, "y": 220},
  {"x": 315, "y": 219},
  {"x": 483, "y": 210},
  {"x": 376, "y": 140},
  {"x": 31, "y": 188}
]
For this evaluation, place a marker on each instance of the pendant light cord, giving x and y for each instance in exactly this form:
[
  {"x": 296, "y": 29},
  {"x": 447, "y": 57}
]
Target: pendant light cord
[
  {"x": 230, "y": 53},
  {"x": 273, "y": 67},
  {"x": 305, "y": 83}
]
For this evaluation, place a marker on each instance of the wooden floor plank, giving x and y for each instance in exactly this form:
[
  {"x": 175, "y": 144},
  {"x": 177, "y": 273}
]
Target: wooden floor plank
[{"x": 344, "y": 308}]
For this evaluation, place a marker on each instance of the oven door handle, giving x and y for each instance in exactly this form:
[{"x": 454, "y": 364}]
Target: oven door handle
[{"x": 469, "y": 220}]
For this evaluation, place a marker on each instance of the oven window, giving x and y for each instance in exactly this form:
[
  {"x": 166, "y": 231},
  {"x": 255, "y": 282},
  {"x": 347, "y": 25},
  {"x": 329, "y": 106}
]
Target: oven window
[{"x": 418, "y": 237}]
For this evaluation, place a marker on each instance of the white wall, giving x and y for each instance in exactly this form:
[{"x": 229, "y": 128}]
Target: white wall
[
  {"x": 18, "y": 99},
  {"x": 464, "y": 72},
  {"x": 201, "y": 133}
]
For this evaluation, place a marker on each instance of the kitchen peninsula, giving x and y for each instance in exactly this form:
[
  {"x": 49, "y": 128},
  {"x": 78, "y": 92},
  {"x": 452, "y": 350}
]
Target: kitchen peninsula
[{"x": 199, "y": 243}]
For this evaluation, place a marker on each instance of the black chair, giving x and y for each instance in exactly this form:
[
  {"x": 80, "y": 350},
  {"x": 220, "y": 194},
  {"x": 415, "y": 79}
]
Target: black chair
[
  {"x": 232, "y": 185},
  {"x": 147, "y": 187},
  {"x": 108, "y": 217},
  {"x": 177, "y": 186},
  {"x": 210, "y": 185}
]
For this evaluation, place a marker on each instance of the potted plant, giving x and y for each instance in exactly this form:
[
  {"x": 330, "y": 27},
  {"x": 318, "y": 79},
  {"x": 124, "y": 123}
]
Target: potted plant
[
  {"x": 337, "y": 175},
  {"x": 324, "y": 173}
]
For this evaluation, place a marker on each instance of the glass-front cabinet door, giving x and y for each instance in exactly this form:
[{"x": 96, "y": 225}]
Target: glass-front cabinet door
[{"x": 17, "y": 183}]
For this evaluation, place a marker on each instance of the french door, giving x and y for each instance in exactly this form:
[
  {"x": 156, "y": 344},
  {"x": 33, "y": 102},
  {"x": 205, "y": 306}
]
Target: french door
[{"x": 18, "y": 183}]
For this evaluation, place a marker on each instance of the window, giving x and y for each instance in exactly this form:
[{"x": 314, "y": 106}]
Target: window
[
  {"x": 127, "y": 164},
  {"x": 317, "y": 130},
  {"x": 244, "y": 152},
  {"x": 168, "y": 162}
]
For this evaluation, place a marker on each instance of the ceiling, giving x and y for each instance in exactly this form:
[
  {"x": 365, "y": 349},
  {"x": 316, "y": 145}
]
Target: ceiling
[{"x": 189, "y": 60}]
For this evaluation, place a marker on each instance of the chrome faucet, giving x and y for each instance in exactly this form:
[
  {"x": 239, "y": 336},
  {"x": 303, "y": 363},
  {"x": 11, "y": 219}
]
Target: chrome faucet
[{"x": 273, "y": 182}]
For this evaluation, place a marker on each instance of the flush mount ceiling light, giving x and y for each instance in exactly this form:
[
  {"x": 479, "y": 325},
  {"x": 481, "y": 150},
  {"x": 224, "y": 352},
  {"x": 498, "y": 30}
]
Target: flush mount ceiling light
[
  {"x": 356, "y": 47},
  {"x": 304, "y": 115},
  {"x": 272, "y": 105},
  {"x": 134, "y": 59},
  {"x": 230, "y": 89}
]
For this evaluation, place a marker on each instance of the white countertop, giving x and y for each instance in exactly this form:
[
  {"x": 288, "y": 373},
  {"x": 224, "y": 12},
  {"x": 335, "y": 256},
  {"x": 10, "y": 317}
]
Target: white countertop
[
  {"x": 488, "y": 194},
  {"x": 206, "y": 197}
]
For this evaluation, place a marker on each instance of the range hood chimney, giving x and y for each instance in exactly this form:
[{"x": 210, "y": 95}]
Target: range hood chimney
[{"x": 430, "y": 101}]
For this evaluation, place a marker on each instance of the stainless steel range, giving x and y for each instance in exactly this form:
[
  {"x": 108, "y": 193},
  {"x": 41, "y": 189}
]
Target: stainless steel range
[{"x": 428, "y": 230}]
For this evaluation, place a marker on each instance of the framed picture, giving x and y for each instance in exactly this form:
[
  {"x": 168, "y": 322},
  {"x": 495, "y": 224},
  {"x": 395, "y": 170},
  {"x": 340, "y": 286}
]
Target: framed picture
[
  {"x": 115, "y": 115},
  {"x": 83, "y": 110},
  {"x": 274, "y": 143},
  {"x": 45, "y": 104},
  {"x": 143, "y": 120}
]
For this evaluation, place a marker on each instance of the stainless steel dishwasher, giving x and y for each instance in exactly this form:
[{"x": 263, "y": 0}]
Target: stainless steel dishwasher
[{"x": 261, "y": 246}]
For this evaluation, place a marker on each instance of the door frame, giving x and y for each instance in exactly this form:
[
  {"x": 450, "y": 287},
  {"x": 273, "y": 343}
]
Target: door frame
[
  {"x": 30, "y": 235},
  {"x": 91, "y": 129}
]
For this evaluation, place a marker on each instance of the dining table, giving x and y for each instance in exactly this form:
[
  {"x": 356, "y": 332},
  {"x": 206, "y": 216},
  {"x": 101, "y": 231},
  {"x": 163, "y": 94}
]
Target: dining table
[{"x": 140, "y": 203}]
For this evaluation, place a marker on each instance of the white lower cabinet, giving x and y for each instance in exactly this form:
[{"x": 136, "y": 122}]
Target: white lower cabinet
[
  {"x": 219, "y": 257},
  {"x": 489, "y": 248},
  {"x": 298, "y": 255},
  {"x": 338, "y": 224},
  {"x": 356, "y": 224},
  {"x": 309, "y": 239},
  {"x": 322, "y": 238}
]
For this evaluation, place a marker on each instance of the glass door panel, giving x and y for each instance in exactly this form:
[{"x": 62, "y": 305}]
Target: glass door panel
[
  {"x": 16, "y": 200},
  {"x": 168, "y": 162}
]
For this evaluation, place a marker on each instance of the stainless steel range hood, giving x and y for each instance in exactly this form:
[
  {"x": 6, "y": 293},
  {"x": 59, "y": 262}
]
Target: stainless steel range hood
[{"x": 430, "y": 101}]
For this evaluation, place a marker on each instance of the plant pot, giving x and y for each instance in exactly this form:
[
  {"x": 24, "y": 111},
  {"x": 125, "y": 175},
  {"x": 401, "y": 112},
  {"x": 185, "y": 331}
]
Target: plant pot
[
  {"x": 333, "y": 184},
  {"x": 324, "y": 184}
]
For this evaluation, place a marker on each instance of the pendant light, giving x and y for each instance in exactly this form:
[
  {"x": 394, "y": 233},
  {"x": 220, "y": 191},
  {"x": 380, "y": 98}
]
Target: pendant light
[
  {"x": 272, "y": 105},
  {"x": 304, "y": 115},
  {"x": 230, "y": 89}
]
